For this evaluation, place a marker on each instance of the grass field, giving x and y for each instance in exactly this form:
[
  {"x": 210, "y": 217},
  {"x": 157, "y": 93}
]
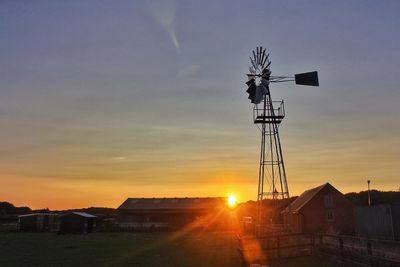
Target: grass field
[
  {"x": 194, "y": 249},
  {"x": 119, "y": 249}
]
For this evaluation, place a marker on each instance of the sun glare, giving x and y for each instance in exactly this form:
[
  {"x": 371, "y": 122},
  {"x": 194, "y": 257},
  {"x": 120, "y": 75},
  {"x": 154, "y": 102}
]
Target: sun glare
[{"x": 232, "y": 201}]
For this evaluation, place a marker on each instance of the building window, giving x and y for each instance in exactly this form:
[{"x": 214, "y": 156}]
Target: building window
[
  {"x": 328, "y": 201},
  {"x": 330, "y": 216}
]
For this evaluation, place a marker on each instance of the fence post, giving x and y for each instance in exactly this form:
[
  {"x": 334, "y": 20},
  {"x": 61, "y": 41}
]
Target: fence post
[
  {"x": 341, "y": 250},
  {"x": 369, "y": 249},
  {"x": 278, "y": 242},
  {"x": 312, "y": 237}
]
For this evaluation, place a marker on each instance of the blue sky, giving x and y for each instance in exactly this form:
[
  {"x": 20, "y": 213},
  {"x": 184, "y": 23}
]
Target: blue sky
[{"x": 147, "y": 98}]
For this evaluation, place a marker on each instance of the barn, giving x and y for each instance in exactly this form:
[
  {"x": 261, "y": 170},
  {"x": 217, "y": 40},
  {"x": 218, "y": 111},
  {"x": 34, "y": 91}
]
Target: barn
[
  {"x": 322, "y": 209},
  {"x": 173, "y": 213},
  {"x": 77, "y": 222},
  {"x": 38, "y": 222}
]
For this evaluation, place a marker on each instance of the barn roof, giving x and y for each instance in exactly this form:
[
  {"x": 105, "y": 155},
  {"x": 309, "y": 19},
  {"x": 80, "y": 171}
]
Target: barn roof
[
  {"x": 194, "y": 203},
  {"x": 305, "y": 197}
]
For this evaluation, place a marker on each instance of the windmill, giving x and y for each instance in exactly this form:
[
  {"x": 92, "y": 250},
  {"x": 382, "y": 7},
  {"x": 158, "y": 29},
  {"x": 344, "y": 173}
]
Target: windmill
[{"x": 267, "y": 115}]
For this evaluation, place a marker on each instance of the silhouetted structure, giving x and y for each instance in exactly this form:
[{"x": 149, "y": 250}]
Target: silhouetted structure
[
  {"x": 322, "y": 209},
  {"x": 77, "y": 222},
  {"x": 38, "y": 222},
  {"x": 268, "y": 114},
  {"x": 172, "y": 213},
  {"x": 378, "y": 221}
]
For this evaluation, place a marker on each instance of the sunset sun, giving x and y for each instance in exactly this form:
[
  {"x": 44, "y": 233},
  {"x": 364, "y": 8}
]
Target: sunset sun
[{"x": 232, "y": 201}]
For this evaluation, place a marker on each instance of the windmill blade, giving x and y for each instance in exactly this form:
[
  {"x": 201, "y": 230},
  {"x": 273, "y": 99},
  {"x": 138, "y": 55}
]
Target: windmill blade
[
  {"x": 252, "y": 70},
  {"x": 266, "y": 59},
  {"x": 262, "y": 58},
  {"x": 258, "y": 55},
  {"x": 254, "y": 55},
  {"x": 252, "y": 63},
  {"x": 251, "y": 90}
]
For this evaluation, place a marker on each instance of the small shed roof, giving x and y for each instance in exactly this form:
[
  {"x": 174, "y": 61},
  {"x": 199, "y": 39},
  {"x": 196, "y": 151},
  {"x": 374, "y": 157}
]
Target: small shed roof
[
  {"x": 305, "y": 197},
  {"x": 195, "y": 203},
  {"x": 82, "y": 214},
  {"x": 38, "y": 214}
]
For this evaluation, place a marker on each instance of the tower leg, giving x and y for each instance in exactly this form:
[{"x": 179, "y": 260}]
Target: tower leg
[{"x": 272, "y": 183}]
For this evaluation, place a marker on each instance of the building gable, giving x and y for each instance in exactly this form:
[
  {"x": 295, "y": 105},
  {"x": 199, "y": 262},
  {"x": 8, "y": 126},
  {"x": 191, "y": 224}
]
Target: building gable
[{"x": 299, "y": 203}]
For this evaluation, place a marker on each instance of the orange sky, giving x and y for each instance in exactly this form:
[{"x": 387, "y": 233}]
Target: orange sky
[{"x": 63, "y": 194}]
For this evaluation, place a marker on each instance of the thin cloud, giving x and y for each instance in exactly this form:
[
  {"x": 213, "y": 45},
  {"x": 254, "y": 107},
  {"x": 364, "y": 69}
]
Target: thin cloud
[{"x": 188, "y": 71}]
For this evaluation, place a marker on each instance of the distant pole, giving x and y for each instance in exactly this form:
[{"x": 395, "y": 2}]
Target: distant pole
[{"x": 369, "y": 194}]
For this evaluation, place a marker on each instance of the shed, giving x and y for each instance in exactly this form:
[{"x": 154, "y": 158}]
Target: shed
[
  {"x": 379, "y": 221},
  {"x": 322, "y": 209},
  {"x": 38, "y": 222},
  {"x": 77, "y": 222}
]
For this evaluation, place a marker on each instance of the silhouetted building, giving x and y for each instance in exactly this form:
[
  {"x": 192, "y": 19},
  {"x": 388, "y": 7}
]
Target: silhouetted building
[
  {"x": 77, "y": 222},
  {"x": 320, "y": 210},
  {"x": 378, "y": 221},
  {"x": 38, "y": 222},
  {"x": 173, "y": 213}
]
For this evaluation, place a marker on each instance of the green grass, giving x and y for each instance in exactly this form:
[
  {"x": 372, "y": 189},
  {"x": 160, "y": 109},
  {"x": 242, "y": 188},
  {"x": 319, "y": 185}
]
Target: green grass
[
  {"x": 119, "y": 249},
  {"x": 194, "y": 249}
]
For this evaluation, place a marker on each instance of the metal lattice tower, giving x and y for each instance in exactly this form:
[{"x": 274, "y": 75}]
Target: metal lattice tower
[
  {"x": 272, "y": 182},
  {"x": 267, "y": 115}
]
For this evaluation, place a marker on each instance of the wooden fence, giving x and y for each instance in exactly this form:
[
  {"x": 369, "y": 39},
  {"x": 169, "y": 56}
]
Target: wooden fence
[
  {"x": 359, "y": 251},
  {"x": 268, "y": 248},
  {"x": 346, "y": 250}
]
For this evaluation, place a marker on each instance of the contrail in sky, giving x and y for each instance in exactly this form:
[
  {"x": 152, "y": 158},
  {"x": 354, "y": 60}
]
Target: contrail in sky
[{"x": 163, "y": 11}]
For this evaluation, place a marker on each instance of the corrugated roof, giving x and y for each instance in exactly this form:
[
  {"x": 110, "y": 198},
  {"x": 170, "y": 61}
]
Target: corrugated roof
[
  {"x": 305, "y": 197},
  {"x": 83, "y": 214},
  {"x": 172, "y": 203},
  {"x": 38, "y": 214}
]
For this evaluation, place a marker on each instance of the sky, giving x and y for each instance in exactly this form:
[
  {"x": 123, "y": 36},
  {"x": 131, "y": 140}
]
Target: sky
[{"x": 100, "y": 100}]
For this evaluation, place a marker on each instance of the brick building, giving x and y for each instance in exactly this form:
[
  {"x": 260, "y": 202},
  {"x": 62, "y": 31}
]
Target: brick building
[{"x": 322, "y": 209}]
